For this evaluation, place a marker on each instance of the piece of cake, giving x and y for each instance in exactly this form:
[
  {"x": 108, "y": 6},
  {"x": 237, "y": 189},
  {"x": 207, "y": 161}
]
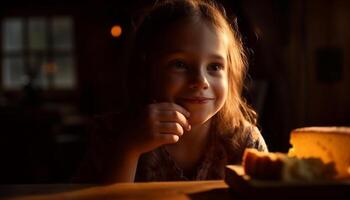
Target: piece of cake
[
  {"x": 262, "y": 165},
  {"x": 331, "y": 144},
  {"x": 280, "y": 166}
]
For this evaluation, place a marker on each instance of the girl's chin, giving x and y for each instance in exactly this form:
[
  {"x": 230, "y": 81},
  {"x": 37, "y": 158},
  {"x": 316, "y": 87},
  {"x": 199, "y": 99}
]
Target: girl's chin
[{"x": 198, "y": 120}]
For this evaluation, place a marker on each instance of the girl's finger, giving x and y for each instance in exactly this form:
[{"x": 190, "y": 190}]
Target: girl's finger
[
  {"x": 174, "y": 116},
  {"x": 170, "y": 128},
  {"x": 167, "y": 138},
  {"x": 173, "y": 106}
]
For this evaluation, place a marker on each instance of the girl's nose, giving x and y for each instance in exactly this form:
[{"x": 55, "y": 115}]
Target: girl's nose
[{"x": 199, "y": 81}]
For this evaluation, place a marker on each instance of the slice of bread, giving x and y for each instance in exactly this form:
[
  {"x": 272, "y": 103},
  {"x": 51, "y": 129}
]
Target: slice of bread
[{"x": 279, "y": 166}]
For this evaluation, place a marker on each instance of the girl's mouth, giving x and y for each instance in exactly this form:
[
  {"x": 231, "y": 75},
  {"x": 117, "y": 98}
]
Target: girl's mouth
[{"x": 197, "y": 100}]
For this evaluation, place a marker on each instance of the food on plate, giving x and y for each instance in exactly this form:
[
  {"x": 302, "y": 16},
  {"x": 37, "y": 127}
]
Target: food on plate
[
  {"x": 330, "y": 144},
  {"x": 280, "y": 166}
]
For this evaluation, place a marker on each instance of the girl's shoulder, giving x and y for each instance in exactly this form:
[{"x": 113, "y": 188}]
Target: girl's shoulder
[
  {"x": 255, "y": 139},
  {"x": 239, "y": 138}
]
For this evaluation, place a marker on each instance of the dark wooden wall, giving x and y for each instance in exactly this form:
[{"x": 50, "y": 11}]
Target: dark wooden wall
[{"x": 299, "y": 72}]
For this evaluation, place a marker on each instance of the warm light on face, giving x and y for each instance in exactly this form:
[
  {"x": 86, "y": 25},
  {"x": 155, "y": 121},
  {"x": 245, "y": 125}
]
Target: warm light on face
[
  {"x": 191, "y": 65},
  {"x": 116, "y": 31}
]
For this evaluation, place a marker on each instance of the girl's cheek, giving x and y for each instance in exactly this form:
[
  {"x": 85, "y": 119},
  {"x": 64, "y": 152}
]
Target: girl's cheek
[
  {"x": 221, "y": 90},
  {"x": 175, "y": 79}
]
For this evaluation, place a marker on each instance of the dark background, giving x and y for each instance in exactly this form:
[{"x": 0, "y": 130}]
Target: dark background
[{"x": 299, "y": 76}]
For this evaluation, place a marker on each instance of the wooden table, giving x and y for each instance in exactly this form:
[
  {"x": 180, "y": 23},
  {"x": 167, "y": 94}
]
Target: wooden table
[{"x": 153, "y": 190}]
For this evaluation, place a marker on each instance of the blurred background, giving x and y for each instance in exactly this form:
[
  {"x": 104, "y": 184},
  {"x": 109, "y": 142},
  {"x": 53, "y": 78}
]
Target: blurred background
[{"x": 61, "y": 64}]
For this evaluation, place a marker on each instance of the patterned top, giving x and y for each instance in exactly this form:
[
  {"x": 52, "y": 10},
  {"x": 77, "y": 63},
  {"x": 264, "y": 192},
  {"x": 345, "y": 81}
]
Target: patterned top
[{"x": 158, "y": 165}]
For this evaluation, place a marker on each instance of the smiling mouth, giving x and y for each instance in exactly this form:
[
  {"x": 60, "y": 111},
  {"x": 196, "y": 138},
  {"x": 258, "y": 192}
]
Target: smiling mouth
[{"x": 197, "y": 100}]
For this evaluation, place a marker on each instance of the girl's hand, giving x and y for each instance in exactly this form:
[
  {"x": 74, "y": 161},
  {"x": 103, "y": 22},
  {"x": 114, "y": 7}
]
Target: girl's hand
[{"x": 158, "y": 124}]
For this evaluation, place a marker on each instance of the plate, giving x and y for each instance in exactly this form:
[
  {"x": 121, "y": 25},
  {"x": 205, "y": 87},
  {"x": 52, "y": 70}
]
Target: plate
[{"x": 249, "y": 187}]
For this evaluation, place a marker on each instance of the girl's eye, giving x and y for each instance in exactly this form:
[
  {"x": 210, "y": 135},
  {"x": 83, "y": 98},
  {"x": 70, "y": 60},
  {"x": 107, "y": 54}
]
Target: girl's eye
[
  {"x": 215, "y": 67},
  {"x": 179, "y": 65}
]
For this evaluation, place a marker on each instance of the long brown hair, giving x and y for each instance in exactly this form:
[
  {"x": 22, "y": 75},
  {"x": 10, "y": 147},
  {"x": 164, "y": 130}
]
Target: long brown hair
[{"x": 235, "y": 112}]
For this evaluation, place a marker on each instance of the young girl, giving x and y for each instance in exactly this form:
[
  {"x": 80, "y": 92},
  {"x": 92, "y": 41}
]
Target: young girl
[{"x": 186, "y": 118}]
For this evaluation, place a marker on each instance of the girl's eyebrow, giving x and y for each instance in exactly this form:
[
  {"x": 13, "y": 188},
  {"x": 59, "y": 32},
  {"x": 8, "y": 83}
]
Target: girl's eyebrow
[{"x": 215, "y": 56}]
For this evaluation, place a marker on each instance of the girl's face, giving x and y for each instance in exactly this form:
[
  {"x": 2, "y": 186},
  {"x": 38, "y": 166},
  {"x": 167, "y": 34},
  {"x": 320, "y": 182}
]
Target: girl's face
[{"x": 190, "y": 69}]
